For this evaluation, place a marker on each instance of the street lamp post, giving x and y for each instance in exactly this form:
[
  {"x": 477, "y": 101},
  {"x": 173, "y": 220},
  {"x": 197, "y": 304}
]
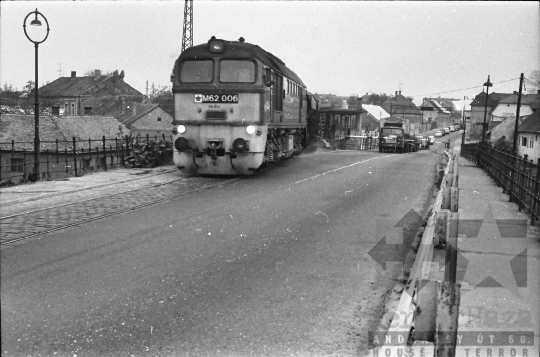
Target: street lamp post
[
  {"x": 487, "y": 85},
  {"x": 463, "y": 122},
  {"x": 36, "y": 22}
]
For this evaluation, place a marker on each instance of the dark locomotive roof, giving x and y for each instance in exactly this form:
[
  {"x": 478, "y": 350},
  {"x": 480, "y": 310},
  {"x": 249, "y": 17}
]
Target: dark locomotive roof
[{"x": 236, "y": 49}]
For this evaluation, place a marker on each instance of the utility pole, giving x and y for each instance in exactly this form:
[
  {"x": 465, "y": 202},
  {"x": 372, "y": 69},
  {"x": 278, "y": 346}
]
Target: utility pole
[
  {"x": 187, "y": 34},
  {"x": 514, "y": 148}
]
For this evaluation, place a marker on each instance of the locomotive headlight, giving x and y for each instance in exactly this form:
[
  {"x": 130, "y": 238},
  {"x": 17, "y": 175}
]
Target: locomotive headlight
[
  {"x": 181, "y": 129},
  {"x": 216, "y": 46},
  {"x": 250, "y": 129}
]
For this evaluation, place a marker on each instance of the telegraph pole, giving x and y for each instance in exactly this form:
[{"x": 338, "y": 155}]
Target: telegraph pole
[{"x": 514, "y": 148}]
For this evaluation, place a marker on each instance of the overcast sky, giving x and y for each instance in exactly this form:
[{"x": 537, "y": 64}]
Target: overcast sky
[{"x": 423, "y": 48}]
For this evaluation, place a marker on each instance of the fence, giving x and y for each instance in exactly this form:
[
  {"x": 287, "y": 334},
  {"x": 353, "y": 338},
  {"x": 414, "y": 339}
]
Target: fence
[
  {"x": 61, "y": 158},
  {"x": 362, "y": 143},
  {"x": 518, "y": 176}
]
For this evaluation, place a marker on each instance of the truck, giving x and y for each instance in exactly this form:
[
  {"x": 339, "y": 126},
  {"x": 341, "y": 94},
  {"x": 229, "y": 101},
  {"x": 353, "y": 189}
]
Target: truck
[{"x": 397, "y": 135}]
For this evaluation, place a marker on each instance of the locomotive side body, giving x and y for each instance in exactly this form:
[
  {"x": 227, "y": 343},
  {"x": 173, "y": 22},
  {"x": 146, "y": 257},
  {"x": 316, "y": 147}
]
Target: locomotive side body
[{"x": 232, "y": 112}]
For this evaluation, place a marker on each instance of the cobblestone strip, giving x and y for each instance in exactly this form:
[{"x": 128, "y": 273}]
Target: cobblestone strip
[{"x": 14, "y": 229}]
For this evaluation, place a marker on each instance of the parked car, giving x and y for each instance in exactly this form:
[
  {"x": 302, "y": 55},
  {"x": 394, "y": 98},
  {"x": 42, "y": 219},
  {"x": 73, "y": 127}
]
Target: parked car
[
  {"x": 438, "y": 133},
  {"x": 446, "y": 130},
  {"x": 431, "y": 139}
]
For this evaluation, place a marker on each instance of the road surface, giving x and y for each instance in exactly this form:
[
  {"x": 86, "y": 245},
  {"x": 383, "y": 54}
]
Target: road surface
[{"x": 272, "y": 265}]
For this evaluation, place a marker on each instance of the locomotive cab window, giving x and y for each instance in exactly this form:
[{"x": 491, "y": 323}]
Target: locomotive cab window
[
  {"x": 200, "y": 71},
  {"x": 237, "y": 71}
]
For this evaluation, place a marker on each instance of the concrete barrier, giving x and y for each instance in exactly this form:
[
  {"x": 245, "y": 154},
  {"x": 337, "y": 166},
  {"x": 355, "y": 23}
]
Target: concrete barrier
[{"x": 431, "y": 306}]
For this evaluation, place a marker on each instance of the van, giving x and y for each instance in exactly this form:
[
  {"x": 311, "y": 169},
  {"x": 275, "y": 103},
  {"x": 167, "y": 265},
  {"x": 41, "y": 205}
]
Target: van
[{"x": 446, "y": 131}]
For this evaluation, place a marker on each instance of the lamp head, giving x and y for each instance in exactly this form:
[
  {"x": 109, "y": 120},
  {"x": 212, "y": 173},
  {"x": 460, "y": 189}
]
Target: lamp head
[
  {"x": 35, "y": 22},
  {"x": 488, "y": 83}
]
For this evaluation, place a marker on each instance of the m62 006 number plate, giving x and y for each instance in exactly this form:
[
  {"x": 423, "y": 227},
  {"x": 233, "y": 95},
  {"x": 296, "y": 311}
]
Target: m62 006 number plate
[{"x": 216, "y": 98}]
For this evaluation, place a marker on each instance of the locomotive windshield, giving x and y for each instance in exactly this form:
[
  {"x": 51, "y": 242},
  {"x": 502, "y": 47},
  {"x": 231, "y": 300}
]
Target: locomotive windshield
[
  {"x": 237, "y": 71},
  {"x": 197, "y": 71}
]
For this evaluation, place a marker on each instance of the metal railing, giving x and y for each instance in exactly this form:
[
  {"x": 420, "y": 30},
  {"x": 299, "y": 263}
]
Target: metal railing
[
  {"x": 61, "y": 158},
  {"x": 518, "y": 176},
  {"x": 367, "y": 144}
]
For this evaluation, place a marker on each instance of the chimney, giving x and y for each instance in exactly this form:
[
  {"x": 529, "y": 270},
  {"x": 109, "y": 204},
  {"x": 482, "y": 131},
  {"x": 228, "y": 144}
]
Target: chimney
[
  {"x": 73, "y": 74},
  {"x": 396, "y": 94},
  {"x": 97, "y": 74},
  {"x": 399, "y": 92}
]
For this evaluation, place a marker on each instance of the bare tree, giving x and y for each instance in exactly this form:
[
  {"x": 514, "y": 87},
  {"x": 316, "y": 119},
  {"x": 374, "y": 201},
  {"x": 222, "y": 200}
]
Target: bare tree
[
  {"x": 163, "y": 96},
  {"x": 533, "y": 81}
]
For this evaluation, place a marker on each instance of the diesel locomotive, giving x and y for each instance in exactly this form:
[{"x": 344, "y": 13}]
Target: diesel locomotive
[{"x": 236, "y": 107}]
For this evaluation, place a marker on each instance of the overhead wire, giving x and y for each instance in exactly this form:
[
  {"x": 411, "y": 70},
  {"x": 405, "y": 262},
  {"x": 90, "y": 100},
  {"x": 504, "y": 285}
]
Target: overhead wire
[{"x": 458, "y": 90}]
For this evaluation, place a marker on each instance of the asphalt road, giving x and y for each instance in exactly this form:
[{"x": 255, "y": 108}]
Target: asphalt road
[{"x": 272, "y": 265}]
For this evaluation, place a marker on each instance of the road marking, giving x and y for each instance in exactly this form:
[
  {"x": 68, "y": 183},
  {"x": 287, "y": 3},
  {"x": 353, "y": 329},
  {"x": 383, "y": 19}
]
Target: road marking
[{"x": 344, "y": 167}]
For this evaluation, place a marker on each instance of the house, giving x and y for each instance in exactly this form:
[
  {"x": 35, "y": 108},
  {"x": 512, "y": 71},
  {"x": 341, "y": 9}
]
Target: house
[
  {"x": 434, "y": 115},
  {"x": 528, "y": 137},
  {"x": 69, "y": 144},
  {"x": 403, "y": 107},
  {"x": 338, "y": 123},
  {"x": 103, "y": 94},
  {"x": 478, "y": 108},
  {"x": 372, "y": 116},
  {"x": 507, "y": 108},
  {"x": 147, "y": 119}
]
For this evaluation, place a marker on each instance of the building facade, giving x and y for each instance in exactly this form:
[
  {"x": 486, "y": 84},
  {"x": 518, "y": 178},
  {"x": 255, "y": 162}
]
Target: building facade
[
  {"x": 528, "y": 137},
  {"x": 83, "y": 95},
  {"x": 403, "y": 107},
  {"x": 148, "y": 119}
]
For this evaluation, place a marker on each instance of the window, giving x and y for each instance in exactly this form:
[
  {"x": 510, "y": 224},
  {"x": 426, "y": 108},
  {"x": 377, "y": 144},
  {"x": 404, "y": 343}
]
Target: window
[
  {"x": 237, "y": 71},
  {"x": 87, "y": 110},
  {"x": 278, "y": 92},
  {"x": 66, "y": 109},
  {"x": 523, "y": 141},
  {"x": 159, "y": 119},
  {"x": 17, "y": 165},
  {"x": 197, "y": 71},
  {"x": 73, "y": 108},
  {"x": 531, "y": 143}
]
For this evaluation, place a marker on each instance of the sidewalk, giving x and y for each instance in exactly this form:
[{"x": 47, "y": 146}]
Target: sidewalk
[
  {"x": 45, "y": 194},
  {"x": 499, "y": 266}
]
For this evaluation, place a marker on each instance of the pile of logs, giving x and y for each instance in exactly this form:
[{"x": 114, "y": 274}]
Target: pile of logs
[{"x": 149, "y": 154}]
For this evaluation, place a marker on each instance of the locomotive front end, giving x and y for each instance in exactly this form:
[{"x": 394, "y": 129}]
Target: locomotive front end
[{"x": 219, "y": 110}]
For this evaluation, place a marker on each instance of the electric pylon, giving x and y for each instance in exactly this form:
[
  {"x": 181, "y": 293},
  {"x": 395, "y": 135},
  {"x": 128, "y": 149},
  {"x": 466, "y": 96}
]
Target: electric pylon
[{"x": 187, "y": 35}]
